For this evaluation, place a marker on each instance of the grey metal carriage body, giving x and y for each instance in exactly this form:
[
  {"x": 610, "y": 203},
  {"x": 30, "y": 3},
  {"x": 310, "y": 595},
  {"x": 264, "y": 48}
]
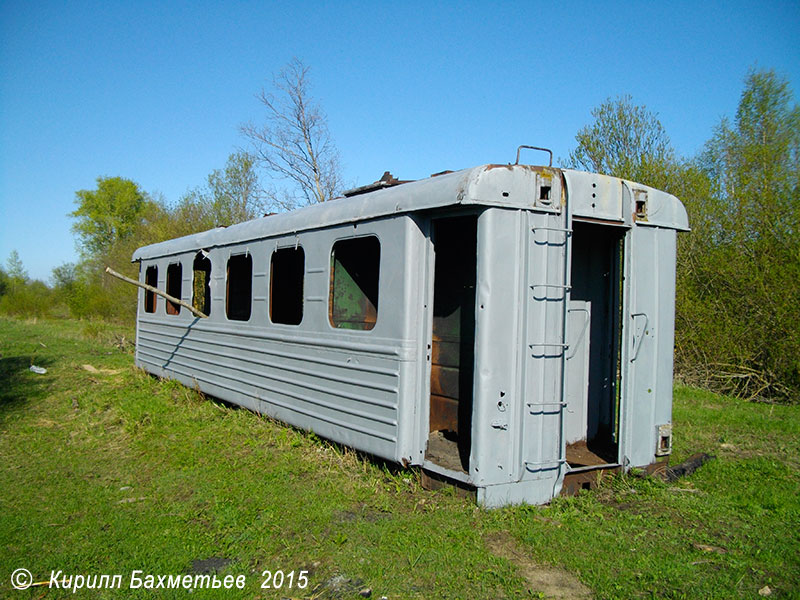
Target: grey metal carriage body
[{"x": 521, "y": 329}]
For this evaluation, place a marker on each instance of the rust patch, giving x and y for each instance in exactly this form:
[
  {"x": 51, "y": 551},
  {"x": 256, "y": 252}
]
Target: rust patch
[
  {"x": 443, "y": 450},
  {"x": 550, "y": 172},
  {"x": 452, "y": 342},
  {"x": 386, "y": 181},
  {"x": 581, "y": 454},
  {"x": 444, "y": 413}
]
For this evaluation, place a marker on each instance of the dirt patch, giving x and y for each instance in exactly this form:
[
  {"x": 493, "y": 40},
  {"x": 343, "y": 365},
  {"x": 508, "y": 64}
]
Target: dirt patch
[
  {"x": 210, "y": 565},
  {"x": 552, "y": 582},
  {"x": 339, "y": 587},
  {"x": 95, "y": 370},
  {"x": 361, "y": 512}
]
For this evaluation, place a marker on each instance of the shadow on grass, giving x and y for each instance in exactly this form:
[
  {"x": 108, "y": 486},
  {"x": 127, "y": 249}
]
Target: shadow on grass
[{"x": 19, "y": 382}]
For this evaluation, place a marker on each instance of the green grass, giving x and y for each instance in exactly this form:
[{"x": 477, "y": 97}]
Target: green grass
[{"x": 112, "y": 471}]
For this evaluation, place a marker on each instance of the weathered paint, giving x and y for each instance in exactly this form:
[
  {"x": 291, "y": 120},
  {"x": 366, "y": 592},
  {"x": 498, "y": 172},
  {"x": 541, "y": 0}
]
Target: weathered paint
[{"x": 378, "y": 370}]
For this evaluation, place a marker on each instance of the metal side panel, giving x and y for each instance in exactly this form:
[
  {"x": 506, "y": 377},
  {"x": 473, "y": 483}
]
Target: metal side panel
[
  {"x": 665, "y": 341},
  {"x": 529, "y": 491},
  {"x": 415, "y": 375},
  {"x": 498, "y": 404},
  {"x": 577, "y": 409},
  {"x": 348, "y": 393},
  {"x": 353, "y": 387},
  {"x": 544, "y": 348},
  {"x": 648, "y": 341}
]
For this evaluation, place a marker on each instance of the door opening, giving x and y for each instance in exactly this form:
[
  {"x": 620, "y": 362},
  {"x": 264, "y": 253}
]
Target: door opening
[
  {"x": 593, "y": 358},
  {"x": 453, "y": 342}
]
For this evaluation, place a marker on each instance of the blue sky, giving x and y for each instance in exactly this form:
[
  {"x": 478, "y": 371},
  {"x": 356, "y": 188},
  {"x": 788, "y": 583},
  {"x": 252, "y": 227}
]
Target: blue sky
[{"x": 155, "y": 92}]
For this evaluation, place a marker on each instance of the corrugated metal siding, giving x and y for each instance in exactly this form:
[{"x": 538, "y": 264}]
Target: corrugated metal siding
[
  {"x": 345, "y": 385},
  {"x": 310, "y": 383}
]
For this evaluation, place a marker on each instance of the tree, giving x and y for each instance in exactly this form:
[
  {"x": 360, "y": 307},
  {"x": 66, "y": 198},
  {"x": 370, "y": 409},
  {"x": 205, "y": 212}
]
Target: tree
[
  {"x": 231, "y": 195},
  {"x": 741, "y": 297},
  {"x": 294, "y": 145},
  {"x": 626, "y": 141},
  {"x": 18, "y": 294},
  {"x": 107, "y": 215},
  {"x": 15, "y": 269}
]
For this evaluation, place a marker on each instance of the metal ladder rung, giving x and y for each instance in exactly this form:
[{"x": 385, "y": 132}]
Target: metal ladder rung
[
  {"x": 544, "y": 407},
  {"x": 541, "y": 466},
  {"x": 565, "y": 346},
  {"x": 561, "y": 229}
]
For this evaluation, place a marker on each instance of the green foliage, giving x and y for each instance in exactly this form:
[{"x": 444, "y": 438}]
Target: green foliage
[
  {"x": 16, "y": 271},
  {"x": 117, "y": 218},
  {"x": 231, "y": 195},
  {"x": 32, "y": 299},
  {"x": 108, "y": 215},
  {"x": 739, "y": 299},
  {"x": 234, "y": 191},
  {"x": 19, "y": 296},
  {"x": 625, "y": 140}
]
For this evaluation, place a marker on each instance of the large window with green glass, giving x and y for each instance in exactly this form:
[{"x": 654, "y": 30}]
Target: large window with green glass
[{"x": 355, "y": 273}]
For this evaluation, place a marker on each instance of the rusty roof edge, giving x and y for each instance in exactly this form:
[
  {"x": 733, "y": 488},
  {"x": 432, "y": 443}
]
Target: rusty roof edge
[
  {"x": 466, "y": 186},
  {"x": 443, "y": 190}
]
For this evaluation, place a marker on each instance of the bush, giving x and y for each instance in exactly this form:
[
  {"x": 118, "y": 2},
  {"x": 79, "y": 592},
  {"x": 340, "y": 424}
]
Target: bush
[{"x": 27, "y": 300}]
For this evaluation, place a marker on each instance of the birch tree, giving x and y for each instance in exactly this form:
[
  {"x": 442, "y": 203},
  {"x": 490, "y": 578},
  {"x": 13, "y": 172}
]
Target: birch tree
[{"x": 294, "y": 145}]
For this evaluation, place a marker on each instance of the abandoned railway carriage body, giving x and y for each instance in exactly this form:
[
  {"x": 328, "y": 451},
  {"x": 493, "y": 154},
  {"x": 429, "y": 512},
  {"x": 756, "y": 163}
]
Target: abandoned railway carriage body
[{"x": 502, "y": 326}]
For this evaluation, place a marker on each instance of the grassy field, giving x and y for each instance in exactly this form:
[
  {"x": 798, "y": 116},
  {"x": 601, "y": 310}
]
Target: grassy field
[{"x": 106, "y": 470}]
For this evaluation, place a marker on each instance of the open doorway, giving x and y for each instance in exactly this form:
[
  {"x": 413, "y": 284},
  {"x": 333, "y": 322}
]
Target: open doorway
[
  {"x": 453, "y": 342},
  {"x": 593, "y": 356}
]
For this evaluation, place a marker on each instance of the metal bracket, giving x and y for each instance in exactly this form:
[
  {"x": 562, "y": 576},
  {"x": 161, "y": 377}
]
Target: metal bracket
[
  {"x": 565, "y": 346},
  {"x": 550, "y": 152},
  {"x": 637, "y": 342},
  {"x": 557, "y": 406},
  {"x": 541, "y": 466},
  {"x": 561, "y": 229},
  {"x": 552, "y": 285}
]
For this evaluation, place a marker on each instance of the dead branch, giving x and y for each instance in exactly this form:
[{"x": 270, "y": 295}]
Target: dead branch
[{"x": 150, "y": 288}]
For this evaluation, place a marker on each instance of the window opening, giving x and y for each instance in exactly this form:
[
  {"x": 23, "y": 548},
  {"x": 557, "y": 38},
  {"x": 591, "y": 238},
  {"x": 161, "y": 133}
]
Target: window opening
[
  {"x": 287, "y": 268},
  {"x": 201, "y": 284},
  {"x": 239, "y": 292},
  {"x": 355, "y": 266},
  {"x": 174, "y": 275},
  {"x": 151, "y": 279}
]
